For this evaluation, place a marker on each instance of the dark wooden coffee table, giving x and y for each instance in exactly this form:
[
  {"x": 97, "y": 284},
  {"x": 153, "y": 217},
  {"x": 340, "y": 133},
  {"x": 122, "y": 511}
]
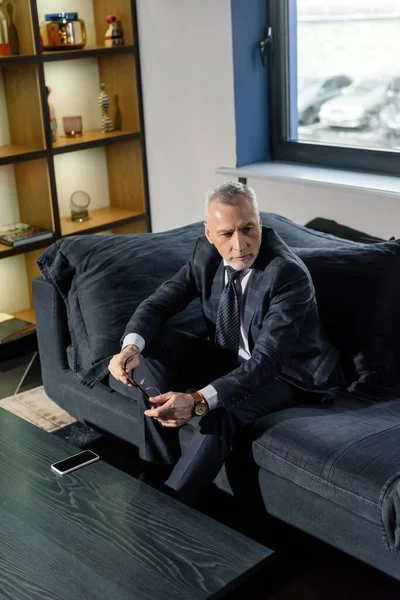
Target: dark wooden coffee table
[{"x": 99, "y": 533}]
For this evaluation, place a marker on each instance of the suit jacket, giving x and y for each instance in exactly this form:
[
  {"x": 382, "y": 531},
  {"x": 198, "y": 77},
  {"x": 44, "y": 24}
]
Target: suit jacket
[{"x": 285, "y": 334}]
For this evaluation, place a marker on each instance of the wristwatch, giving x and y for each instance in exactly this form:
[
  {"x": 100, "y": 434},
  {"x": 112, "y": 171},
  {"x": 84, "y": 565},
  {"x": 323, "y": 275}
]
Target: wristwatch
[{"x": 200, "y": 406}]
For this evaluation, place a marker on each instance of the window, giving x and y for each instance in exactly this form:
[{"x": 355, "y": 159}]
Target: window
[{"x": 335, "y": 83}]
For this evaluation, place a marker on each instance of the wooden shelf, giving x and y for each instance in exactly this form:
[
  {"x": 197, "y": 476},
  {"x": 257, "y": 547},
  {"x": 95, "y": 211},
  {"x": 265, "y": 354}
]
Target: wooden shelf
[
  {"x": 100, "y": 219},
  {"x": 18, "y": 59},
  {"x": 88, "y": 52},
  {"x": 37, "y": 180},
  {"x": 6, "y": 251},
  {"x": 91, "y": 139},
  {"x": 27, "y": 315},
  {"x": 4, "y": 248},
  {"x": 14, "y": 153}
]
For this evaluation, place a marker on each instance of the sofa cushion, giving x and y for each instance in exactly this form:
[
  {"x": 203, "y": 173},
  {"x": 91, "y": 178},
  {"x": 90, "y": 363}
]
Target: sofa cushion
[
  {"x": 358, "y": 295},
  {"x": 347, "y": 453},
  {"x": 342, "y": 231},
  {"x": 103, "y": 278}
]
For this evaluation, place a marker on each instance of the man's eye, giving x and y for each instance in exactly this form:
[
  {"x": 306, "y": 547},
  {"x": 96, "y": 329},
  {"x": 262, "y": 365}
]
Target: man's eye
[{"x": 246, "y": 229}]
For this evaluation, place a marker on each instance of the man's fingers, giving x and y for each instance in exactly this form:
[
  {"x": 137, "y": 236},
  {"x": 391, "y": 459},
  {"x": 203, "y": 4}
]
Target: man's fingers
[
  {"x": 151, "y": 412},
  {"x": 120, "y": 375},
  {"x": 126, "y": 380},
  {"x": 121, "y": 363},
  {"x": 128, "y": 361},
  {"x": 161, "y": 399},
  {"x": 160, "y": 412},
  {"x": 163, "y": 411}
]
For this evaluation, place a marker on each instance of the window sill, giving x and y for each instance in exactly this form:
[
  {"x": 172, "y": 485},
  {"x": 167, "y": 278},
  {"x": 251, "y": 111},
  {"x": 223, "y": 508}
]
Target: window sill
[{"x": 347, "y": 180}]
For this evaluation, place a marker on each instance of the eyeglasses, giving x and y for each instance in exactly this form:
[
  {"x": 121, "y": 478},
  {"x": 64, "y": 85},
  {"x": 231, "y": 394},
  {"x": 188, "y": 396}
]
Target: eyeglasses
[{"x": 137, "y": 385}]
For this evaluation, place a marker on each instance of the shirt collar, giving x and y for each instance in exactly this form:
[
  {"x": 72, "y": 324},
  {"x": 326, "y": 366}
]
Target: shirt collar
[{"x": 242, "y": 272}]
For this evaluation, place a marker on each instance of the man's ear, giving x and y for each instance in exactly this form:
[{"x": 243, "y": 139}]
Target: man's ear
[{"x": 207, "y": 233}]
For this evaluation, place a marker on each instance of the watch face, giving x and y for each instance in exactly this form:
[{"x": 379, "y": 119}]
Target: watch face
[{"x": 201, "y": 409}]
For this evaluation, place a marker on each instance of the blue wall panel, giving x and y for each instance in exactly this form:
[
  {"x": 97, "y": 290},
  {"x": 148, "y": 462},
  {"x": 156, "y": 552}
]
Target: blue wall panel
[{"x": 251, "y": 108}]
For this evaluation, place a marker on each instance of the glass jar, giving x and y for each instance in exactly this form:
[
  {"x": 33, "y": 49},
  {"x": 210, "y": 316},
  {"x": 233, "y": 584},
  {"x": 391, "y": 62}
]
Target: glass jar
[{"x": 63, "y": 31}]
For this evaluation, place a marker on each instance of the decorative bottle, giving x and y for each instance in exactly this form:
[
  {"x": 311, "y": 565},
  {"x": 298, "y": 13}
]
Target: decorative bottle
[
  {"x": 107, "y": 124},
  {"x": 4, "y": 45},
  {"x": 52, "y": 114},
  {"x": 114, "y": 34}
]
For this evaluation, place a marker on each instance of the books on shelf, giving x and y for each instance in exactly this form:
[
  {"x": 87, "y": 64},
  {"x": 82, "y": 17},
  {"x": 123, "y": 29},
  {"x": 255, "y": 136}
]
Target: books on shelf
[
  {"x": 12, "y": 328},
  {"x": 18, "y": 234}
]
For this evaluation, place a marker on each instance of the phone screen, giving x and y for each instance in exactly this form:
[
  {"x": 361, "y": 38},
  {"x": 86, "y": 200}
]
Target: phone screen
[{"x": 75, "y": 461}]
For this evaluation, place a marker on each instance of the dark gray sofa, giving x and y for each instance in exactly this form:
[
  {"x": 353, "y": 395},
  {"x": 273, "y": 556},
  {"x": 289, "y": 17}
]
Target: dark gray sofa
[{"x": 333, "y": 472}]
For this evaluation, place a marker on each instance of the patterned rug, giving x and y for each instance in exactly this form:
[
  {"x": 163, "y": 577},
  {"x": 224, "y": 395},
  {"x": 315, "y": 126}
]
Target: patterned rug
[{"x": 37, "y": 408}]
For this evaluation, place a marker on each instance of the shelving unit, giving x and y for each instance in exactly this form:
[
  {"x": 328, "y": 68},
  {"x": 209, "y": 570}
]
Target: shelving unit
[{"x": 37, "y": 176}]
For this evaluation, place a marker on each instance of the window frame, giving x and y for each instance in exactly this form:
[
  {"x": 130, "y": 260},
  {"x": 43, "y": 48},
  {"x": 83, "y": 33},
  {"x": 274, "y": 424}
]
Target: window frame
[{"x": 282, "y": 116}]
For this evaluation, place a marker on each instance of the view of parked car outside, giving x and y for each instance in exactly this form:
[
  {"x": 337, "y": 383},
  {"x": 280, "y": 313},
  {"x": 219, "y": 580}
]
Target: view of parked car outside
[{"x": 348, "y": 65}]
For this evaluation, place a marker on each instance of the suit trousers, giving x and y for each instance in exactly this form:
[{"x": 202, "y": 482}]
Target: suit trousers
[{"x": 181, "y": 362}]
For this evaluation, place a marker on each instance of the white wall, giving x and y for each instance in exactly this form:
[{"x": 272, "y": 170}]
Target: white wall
[
  {"x": 187, "y": 78},
  {"x": 375, "y": 214}
]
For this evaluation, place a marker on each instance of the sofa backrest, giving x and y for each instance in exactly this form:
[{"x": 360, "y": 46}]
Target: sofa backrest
[
  {"x": 103, "y": 278},
  {"x": 358, "y": 295}
]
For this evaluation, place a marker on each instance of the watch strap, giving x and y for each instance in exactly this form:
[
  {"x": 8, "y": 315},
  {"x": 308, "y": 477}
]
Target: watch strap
[{"x": 197, "y": 397}]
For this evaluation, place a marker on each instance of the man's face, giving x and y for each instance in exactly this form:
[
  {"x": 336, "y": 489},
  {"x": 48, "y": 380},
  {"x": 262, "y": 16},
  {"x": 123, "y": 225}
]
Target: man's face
[{"x": 235, "y": 231}]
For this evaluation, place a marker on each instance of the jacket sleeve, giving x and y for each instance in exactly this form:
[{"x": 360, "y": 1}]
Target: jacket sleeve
[
  {"x": 169, "y": 299},
  {"x": 292, "y": 296}
]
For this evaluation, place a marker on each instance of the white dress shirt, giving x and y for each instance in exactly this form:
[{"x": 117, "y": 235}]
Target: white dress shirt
[{"x": 209, "y": 392}]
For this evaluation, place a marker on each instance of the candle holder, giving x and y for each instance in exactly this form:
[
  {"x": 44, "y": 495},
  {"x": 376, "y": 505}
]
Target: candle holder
[
  {"x": 79, "y": 203},
  {"x": 72, "y": 126}
]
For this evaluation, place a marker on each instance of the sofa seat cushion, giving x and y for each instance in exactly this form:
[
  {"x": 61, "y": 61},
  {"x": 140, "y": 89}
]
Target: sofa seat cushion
[{"x": 346, "y": 453}]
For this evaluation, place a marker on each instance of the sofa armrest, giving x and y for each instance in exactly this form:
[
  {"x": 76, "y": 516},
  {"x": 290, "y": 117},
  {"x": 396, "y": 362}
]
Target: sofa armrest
[{"x": 51, "y": 324}]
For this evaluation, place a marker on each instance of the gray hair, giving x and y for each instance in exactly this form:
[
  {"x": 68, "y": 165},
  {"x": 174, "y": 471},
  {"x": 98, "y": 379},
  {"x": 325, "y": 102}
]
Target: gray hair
[{"x": 228, "y": 192}]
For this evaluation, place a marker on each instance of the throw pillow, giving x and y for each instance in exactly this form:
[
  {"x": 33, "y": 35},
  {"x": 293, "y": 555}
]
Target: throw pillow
[{"x": 358, "y": 295}]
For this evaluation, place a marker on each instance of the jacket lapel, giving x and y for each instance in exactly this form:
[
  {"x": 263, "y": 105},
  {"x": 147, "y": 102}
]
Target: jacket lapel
[
  {"x": 254, "y": 297},
  {"x": 217, "y": 287},
  {"x": 256, "y": 288}
]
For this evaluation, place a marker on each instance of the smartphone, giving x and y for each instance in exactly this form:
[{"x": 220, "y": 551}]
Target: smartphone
[{"x": 74, "y": 462}]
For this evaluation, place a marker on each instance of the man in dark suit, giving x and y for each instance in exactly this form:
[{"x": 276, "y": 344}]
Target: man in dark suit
[{"x": 265, "y": 341}]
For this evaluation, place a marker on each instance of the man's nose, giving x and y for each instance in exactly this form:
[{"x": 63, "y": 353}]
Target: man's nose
[{"x": 239, "y": 241}]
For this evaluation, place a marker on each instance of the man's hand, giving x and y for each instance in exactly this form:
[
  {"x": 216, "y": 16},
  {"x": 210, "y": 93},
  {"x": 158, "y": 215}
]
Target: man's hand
[
  {"x": 176, "y": 409},
  {"x": 124, "y": 362}
]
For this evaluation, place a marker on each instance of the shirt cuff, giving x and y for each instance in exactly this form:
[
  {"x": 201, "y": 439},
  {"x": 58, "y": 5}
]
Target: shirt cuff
[
  {"x": 211, "y": 395},
  {"x": 136, "y": 339}
]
